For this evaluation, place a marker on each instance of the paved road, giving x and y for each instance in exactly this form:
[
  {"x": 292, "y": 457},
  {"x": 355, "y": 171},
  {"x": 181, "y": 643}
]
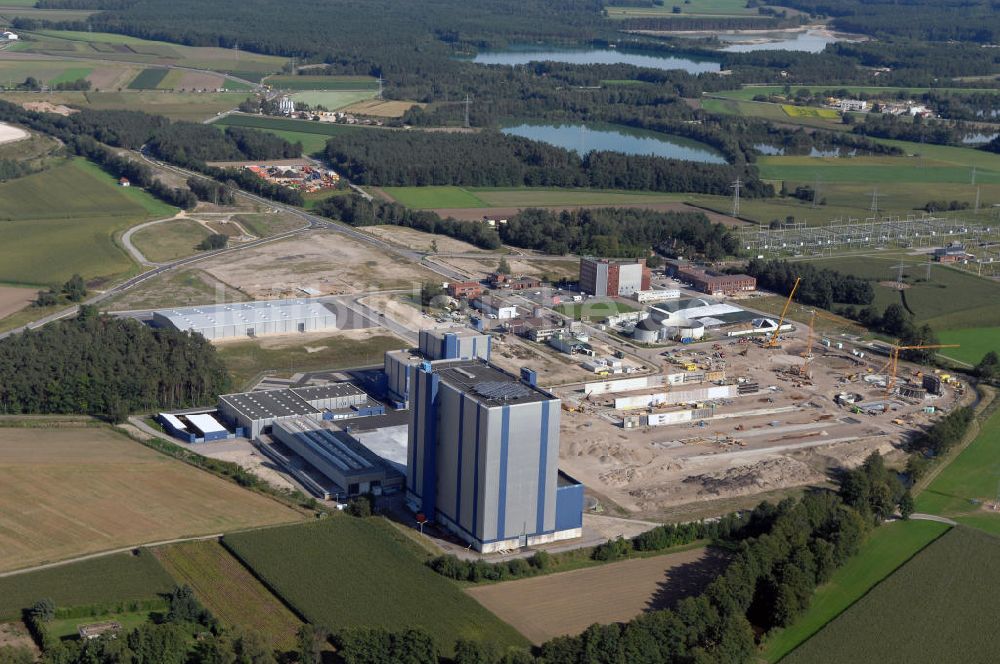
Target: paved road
[
  {"x": 132, "y": 249},
  {"x": 102, "y": 554}
]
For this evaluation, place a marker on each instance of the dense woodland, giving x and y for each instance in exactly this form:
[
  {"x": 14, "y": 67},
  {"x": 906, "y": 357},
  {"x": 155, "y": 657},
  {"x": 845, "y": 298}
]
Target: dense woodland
[
  {"x": 398, "y": 158},
  {"x": 820, "y": 287},
  {"x": 107, "y": 367}
]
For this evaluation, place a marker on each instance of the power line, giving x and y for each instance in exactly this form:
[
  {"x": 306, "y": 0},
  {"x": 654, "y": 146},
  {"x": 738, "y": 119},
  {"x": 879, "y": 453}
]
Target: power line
[
  {"x": 468, "y": 103},
  {"x": 736, "y": 186},
  {"x": 874, "y": 207}
]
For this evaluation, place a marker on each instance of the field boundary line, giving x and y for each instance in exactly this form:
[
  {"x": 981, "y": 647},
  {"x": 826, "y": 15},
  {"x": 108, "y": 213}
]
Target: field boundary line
[
  {"x": 111, "y": 552},
  {"x": 867, "y": 592},
  {"x": 263, "y": 581}
]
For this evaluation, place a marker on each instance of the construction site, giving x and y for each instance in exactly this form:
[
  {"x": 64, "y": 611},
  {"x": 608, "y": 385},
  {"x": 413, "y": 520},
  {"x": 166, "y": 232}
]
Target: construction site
[{"x": 733, "y": 419}]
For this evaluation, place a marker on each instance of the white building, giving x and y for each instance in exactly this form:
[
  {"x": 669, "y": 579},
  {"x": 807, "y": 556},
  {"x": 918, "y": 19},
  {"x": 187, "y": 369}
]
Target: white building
[
  {"x": 647, "y": 296},
  {"x": 852, "y": 105},
  {"x": 249, "y": 319},
  {"x": 10, "y": 36},
  {"x": 286, "y": 105}
]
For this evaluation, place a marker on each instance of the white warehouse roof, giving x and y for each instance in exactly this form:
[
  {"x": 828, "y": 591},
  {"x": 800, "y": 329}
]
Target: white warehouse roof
[
  {"x": 206, "y": 423},
  {"x": 244, "y": 313}
]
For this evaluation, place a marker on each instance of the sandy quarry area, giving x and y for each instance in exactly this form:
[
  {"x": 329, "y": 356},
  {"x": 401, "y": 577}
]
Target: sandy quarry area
[
  {"x": 419, "y": 240},
  {"x": 327, "y": 262},
  {"x": 791, "y": 433},
  {"x": 10, "y": 133},
  {"x": 477, "y": 268}
]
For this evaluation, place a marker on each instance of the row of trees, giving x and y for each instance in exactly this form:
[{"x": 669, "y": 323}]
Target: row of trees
[
  {"x": 895, "y": 321},
  {"x": 213, "y": 192},
  {"x": 359, "y": 211},
  {"x": 107, "y": 367},
  {"x": 819, "y": 287},
  {"x": 492, "y": 159},
  {"x": 941, "y": 437},
  {"x": 74, "y": 290},
  {"x": 624, "y": 232}
]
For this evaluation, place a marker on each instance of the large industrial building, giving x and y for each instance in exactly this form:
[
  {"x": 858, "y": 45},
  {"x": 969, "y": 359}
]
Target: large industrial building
[
  {"x": 712, "y": 283},
  {"x": 249, "y": 319},
  {"x": 601, "y": 277},
  {"x": 255, "y": 412},
  {"x": 483, "y": 457},
  {"x": 340, "y": 456},
  {"x": 688, "y": 318},
  {"x": 444, "y": 344}
]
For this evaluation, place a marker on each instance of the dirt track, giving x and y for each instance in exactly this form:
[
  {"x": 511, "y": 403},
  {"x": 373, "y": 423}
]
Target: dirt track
[{"x": 548, "y": 606}]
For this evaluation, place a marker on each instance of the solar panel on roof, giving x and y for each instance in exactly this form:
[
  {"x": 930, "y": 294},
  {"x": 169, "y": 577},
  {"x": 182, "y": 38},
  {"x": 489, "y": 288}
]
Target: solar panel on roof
[{"x": 501, "y": 390}]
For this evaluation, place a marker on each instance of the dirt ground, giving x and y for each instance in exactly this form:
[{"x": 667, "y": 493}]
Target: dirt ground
[
  {"x": 476, "y": 214},
  {"x": 72, "y": 491},
  {"x": 47, "y": 107},
  {"x": 192, "y": 80},
  {"x": 14, "y": 298},
  {"x": 553, "y": 368},
  {"x": 419, "y": 240},
  {"x": 381, "y": 109},
  {"x": 16, "y": 635},
  {"x": 478, "y": 268},
  {"x": 790, "y": 434},
  {"x": 330, "y": 263},
  {"x": 10, "y": 133},
  {"x": 544, "y": 607},
  {"x": 400, "y": 308}
]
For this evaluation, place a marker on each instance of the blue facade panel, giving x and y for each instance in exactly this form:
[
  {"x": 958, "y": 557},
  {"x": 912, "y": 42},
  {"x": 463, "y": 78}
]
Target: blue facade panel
[
  {"x": 569, "y": 507},
  {"x": 216, "y": 435}
]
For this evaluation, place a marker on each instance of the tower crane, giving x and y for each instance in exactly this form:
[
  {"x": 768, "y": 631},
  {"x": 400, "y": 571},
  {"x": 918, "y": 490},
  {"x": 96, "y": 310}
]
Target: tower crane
[
  {"x": 894, "y": 361},
  {"x": 773, "y": 340},
  {"x": 808, "y": 354}
]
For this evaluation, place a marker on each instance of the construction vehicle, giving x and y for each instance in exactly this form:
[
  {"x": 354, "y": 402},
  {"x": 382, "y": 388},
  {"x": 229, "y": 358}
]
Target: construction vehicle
[
  {"x": 772, "y": 342},
  {"x": 894, "y": 361}
]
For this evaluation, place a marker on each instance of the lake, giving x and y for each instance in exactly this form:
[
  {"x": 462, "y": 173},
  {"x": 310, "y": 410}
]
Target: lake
[
  {"x": 522, "y": 55},
  {"x": 811, "y": 41},
  {"x": 583, "y": 138}
]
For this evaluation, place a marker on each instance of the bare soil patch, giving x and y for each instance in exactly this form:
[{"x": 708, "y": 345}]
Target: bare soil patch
[
  {"x": 328, "y": 262},
  {"x": 545, "y": 607},
  {"x": 48, "y": 107},
  {"x": 14, "y": 298},
  {"x": 192, "y": 80},
  {"x": 16, "y": 635},
  {"x": 381, "y": 108},
  {"x": 419, "y": 240}
]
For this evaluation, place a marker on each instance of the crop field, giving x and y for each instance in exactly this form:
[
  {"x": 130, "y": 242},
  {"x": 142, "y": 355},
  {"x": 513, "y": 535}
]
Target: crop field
[
  {"x": 748, "y": 92},
  {"x": 111, "y": 47},
  {"x": 332, "y": 99},
  {"x": 348, "y": 572},
  {"x": 941, "y": 606},
  {"x": 64, "y": 221},
  {"x": 890, "y": 170},
  {"x": 975, "y": 342},
  {"x": 434, "y": 197},
  {"x": 545, "y": 607},
  {"x": 692, "y": 8},
  {"x": 169, "y": 240},
  {"x": 72, "y": 491},
  {"x": 284, "y": 82},
  {"x": 962, "y": 488},
  {"x": 952, "y": 299},
  {"x": 15, "y": 298},
  {"x": 229, "y": 590},
  {"x": 381, "y": 108},
  {"x": 594, "y": 310},
  {"x": 53, "y": 71},
  {"x": 247, "y": 359},
  {"x": 114, "y": 578},
  {"x": 148, "y": 79},
  {"x": 883, "y": 552},
  {"x": 810, "y": 112},
  {"x": 191, "y": 106}
]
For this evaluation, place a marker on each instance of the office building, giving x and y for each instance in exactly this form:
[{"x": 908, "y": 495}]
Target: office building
[{"x": 605, "y": 278}]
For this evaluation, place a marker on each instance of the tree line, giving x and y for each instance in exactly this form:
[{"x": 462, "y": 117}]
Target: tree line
[
  {"x": 107, "y": 367},
  {"x": 821, "y": 287},
  {"x": 492, "y": 159}
]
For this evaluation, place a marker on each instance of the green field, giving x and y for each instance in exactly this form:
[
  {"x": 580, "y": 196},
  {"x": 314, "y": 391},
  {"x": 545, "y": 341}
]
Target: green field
[
  {"x": 348, "y": 572},
  {"x": 810, "y": 112},
  {"x": 886, "y": 549},
  {"x": 941, "y": 606},
  {"x": 435, "y": 197},
  {"x": 230, "y": 591},
  {"x": 164, "y": 242},
  {"x": 691, "y": 8},
  {"x": 247, "y": 359},
  {"x": 322, "y": 82},
  {"x": 952, "y": 299},
  {"x": 113, "y": 578},
  {"x": 71, "y": 75},
  {"x": 190, "y": 106},
  {"x": 312, "y": 135},
  {"x": 975, "y": 342},
  {"x": 332, "y": 99},
  {"x": 594, "y": 311},
  {"x": 748, "y": 92},
  {"x": 970, "y": 480},
  {"x": 64, "y": 221},
  {"x": 148, "y": 79}
]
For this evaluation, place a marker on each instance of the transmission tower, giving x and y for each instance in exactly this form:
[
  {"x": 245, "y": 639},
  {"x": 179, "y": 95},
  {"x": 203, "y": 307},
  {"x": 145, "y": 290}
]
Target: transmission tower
[
  {"x": 815, "y": 193},
  {"x": 874, "y": 207},
  {"x": 899, "y": 275},
  {"x": 973, "y": 175},
  {"x": 977, "y": 200},
  {"x": 380, "y": 81},
  {"x": 468, "y": 104},
  {"x": 736, "y": 186},
  {"x": 929, "y": 263}
]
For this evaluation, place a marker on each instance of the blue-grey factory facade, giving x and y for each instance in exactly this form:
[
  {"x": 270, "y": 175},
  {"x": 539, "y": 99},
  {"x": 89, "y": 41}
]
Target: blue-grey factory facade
[{"x": 483, "y": 457}]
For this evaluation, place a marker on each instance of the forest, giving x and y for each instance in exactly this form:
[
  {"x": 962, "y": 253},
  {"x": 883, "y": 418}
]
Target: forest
[
  {"x": 107, "y": 367},
  {"x": 492, "y": 159},
  {"x": 819, "y": 287}
]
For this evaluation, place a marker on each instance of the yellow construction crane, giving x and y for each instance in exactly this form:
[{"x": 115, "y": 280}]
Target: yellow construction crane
[
  {"x": 894, "y": 361},
  {"x": 773, "y": 340},
  {"x": 808, "y": 354}
]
